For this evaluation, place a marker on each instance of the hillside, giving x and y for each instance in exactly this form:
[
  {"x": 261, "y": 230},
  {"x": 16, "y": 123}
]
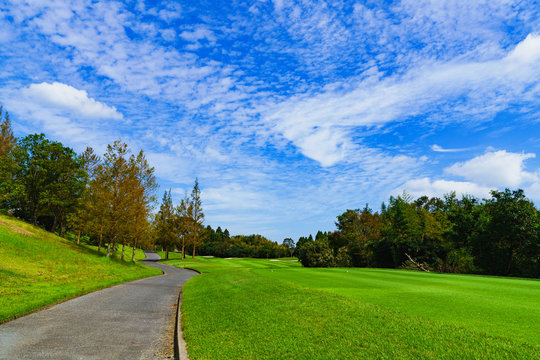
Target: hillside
[{"x": 38, "y": 268}]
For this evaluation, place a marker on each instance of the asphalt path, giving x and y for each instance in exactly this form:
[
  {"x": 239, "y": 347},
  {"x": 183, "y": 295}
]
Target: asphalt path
[{"x": 134, "y": 320}]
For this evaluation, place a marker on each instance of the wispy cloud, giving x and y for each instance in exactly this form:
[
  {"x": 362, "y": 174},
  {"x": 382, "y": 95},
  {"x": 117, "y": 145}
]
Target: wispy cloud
[
  {"x": 308, "y": 107},
  {"x": 438, "y": 148},
  {"x": 477, "y": 87}
]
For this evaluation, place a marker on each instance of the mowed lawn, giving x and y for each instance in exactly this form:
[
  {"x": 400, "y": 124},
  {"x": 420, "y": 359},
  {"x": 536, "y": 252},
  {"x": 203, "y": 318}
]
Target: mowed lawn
[
  {"x": 255, "y": 308},
  {"x": 38, "y": 268}
]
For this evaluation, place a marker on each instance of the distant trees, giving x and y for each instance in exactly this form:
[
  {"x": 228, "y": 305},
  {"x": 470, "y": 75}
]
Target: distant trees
[
  {"x": 498, "y": 236},
  {"x": 220, "y": 243}
]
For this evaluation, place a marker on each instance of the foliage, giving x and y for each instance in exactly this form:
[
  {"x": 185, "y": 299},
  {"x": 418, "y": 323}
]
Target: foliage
[
  {"x": 48, "y": 184},
  {"x": 220, "y": 243},
  {"x": 497, "y": 236}
]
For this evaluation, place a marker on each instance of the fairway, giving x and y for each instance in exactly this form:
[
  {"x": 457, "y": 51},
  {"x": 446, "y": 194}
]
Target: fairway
[{"x": 255, "y": 308}]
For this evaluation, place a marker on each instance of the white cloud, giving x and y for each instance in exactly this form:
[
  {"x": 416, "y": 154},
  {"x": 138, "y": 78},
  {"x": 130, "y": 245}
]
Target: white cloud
[
  {"x": 432, "y": 188},
  {"x": 68, "y": 98},
  {"x": 493, "y": 170},
  {"x": 496, "y": 169}
]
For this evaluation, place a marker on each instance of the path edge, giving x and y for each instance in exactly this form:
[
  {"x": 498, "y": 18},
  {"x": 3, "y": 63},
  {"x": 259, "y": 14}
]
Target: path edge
[{"x": 180, "y": 348}]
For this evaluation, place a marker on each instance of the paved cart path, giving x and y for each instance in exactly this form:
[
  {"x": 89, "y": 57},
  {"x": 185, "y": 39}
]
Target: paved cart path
[{"x": 134, "y": 320}]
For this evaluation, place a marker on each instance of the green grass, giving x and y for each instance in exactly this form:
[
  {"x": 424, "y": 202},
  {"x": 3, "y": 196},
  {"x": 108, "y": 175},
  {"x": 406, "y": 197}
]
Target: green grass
[
  {"x": 38, "y": 268},
  {"x": 255, "y": 309}
]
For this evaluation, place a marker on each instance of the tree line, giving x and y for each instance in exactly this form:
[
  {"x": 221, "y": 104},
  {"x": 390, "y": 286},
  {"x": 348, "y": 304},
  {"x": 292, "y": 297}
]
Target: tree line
[
  {"x": 107, "y": 199},
  {"x": 220, "y": 243},
  {"x": 495, "y": 236}
]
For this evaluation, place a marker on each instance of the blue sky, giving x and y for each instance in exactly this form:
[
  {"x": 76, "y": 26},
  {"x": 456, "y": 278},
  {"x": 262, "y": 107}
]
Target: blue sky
[{"x": 287, "y": 112}]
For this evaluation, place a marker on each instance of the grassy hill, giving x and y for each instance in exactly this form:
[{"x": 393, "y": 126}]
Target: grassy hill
[
  {"x": 38, "y": 268},
  {"x": 264, "y": 309}
]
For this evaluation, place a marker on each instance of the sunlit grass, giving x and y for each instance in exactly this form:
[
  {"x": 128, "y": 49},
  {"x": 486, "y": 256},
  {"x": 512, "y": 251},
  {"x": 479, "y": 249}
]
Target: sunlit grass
[
  {"x": 38, "y": 268},
  {"x": 254, "y": 309}
]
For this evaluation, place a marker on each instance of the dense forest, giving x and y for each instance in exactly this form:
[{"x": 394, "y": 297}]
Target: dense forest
[{"x": 496, "y": 236}]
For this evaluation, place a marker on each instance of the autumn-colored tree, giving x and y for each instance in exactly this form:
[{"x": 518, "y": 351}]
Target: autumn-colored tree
[
  {"x": 7, "y": 162},
  {"x": 81, "y": 220},
  {"x": 196, "y": 218},
  {"x": 183, "y": 222},
  {"x": 166, "y": 224},
  {"x": 142, "y": 186},
  {"x": 112, "y": 182}
]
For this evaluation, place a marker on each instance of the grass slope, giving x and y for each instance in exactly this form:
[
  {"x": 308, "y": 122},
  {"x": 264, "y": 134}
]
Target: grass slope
[
  {"x": 253, "y": 309},
  {"x": 38, "y": 268}
]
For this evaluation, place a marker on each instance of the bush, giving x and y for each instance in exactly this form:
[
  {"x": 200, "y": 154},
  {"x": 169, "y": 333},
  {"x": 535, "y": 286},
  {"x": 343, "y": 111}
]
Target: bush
[{"x": 317, "y": 254}]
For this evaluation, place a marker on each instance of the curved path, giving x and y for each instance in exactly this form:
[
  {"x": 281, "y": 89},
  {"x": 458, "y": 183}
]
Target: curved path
[{"x": 134, "y": 320}]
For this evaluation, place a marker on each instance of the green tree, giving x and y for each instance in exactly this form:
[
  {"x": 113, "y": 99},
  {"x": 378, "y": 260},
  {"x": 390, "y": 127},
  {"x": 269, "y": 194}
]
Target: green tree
[
  {"x": 68, "y": 178},
  {"x": 32, "y": 175},
  {"x": 509, "y": 241},
  {"x": 289, "y": 244}
]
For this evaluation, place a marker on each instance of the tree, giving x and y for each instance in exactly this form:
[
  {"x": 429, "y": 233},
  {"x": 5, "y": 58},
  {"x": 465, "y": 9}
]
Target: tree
[
  {"x": 183, "y": 222},
  {"x": 289, "y": 244},
  {"x": 166, "y": 224},
  {"x": 7, "y": 161},
  {"x": 67, "y": 183},
  {"x": 7, "y": 139},
  {"x": 196, "y": 217},
  {"x": 508, "y": 242},
  {"x": 142, "y": 189},
  {"x": 112, "y": 185},
  {"x": 81, "y": 219},
  {"x": 32, "y": 175}
]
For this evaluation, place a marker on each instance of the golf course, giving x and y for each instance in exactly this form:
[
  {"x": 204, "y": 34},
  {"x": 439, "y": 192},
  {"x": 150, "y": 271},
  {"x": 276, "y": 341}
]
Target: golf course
[{"x": 276, "y": 309}]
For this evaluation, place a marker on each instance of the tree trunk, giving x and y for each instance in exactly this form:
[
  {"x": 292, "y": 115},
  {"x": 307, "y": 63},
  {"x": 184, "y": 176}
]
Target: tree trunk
[
  {"x": 109, "y": 249},
  {"x": 123, "y": 249},
  {"x": 133, "y": 253},
  {"x": 61, "y": 226},
  {"x": 53, "y": 228},
  {"x": 100, "y": 238},
  {"x": 193, "y": 251},
  {"x": 79, "y": 237},
  {"x": 114, "y": 248},
  {"x": 34, "y": 215},
  {"x": 183, "y": 248},
  {"x": 167, "y": 253}
]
